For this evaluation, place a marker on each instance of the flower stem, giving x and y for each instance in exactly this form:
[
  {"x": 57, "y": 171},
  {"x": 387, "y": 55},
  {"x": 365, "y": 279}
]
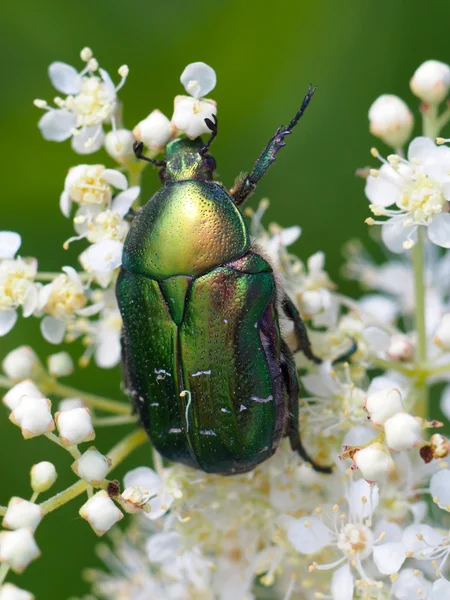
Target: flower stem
[
  {"x": 50, "y": 276},
  {"x": 431, "y": 122},
  {"x": 421, "y": 405},
  {"x": 117, "y": 454},
  {"x": 116, "y": 420},
  {"x": 4, "y": 568},
  {"x": 3, "y": 510},
  {"x": 92, "y": 400}
]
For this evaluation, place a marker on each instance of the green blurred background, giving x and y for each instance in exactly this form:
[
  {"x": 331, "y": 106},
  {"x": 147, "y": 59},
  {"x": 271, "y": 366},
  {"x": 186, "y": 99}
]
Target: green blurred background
[{"x": 265, "y": 54}]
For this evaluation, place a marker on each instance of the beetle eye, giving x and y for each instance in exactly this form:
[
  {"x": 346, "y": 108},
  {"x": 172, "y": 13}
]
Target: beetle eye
[{"x": 210, "y": 163}]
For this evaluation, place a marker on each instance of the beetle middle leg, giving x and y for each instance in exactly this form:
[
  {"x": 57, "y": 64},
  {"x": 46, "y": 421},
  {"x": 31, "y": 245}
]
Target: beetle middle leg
[
  {"x": 301, "y": 333},
  {"x": 289, "y": 371}
]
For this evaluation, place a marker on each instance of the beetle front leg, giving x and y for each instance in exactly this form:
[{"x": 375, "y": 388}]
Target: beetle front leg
[
  {"x": 246, "y": 186},
  {"x": 290, "y": 377},
  {"x": 301, "y": 333}
]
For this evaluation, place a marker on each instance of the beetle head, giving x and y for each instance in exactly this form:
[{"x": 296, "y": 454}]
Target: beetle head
[{"x": 184, "y": 161}]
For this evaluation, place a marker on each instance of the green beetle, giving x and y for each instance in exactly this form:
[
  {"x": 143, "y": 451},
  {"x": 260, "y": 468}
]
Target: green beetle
[{"x": 211, "y": 377}]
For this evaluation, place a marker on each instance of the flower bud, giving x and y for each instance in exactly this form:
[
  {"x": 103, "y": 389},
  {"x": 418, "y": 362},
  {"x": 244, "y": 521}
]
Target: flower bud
[
  {"x": 198, "y": 79},
  {"x": 92, "y": 466},
  {"x": 189, "y": 115},
  {"x": 70, "y": 403},
  {"x": 401, "y": 348},
  {"x": 391, "y": 120},
  {"x": 18, "y": 549},
  {"x": 33, "y": 416},
  {"x": 22, "y": 514},
  {"x": 431, "y": 81},
  {"x": 75, "y": 426},
  {"x": 403, "y": 432},
  {"x": 374, "y": 462},
  {"x": 25, "y": 388},
  {"x": 43, "y": 476},
  {"x": 154, "y": 131},
  {"x": 119, "y": 145},
  {"x": 440, "y": 446},
  {"x": 442, "y": 334},
  {"x": 383, "y": 405},
  {"x": 9, "y": 591},
  {"x": 60, "y": 364},
  {"x": 100, "y": 512},
  {"x": 20, "y": 363}
]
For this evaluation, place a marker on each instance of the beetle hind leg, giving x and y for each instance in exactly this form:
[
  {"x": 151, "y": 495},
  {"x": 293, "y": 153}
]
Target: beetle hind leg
[
  {"x": 289, "y": 371},
  {"x": 301, "y": 334}
]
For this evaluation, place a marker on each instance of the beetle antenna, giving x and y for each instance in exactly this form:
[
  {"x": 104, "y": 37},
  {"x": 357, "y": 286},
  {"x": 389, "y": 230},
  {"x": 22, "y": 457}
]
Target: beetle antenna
[
  {"x": 137, "y": 149},
  {"x": 213, "y": 127}
]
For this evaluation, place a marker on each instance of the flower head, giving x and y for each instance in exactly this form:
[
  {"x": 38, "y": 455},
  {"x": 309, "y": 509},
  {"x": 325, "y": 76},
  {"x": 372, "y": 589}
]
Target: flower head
[{"x": 90, "y": 101}]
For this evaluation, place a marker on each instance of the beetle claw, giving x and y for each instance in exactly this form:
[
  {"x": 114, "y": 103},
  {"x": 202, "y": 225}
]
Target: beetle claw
[{"x": 137, "y": 149}]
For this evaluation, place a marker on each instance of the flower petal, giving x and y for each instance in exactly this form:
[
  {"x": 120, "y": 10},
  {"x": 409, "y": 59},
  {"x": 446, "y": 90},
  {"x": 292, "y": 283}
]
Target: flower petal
[
  {"x": 162, "y": 547},
  {"x": 144, "y": 478},
  {"x": 421, "y": 539},
  {"x": 342, "y": 584},
  {"x": 198, "y": 79},
  {"x": 9, "y": 244},
  {"x": 107, "y": 353},
  {"x": 64, "y": 78},
  {"x": 412, "y": 584},
  {"x": 394, "y": 234},
  {"x": 115, "y": 178},
  {"x": 439, "y": 230},
  {"x": 384, "y": 189},
  {"x": 81, "y": 142},
  {"x": 57, "y": 125},
  {"x": 308, "y": 535},
  {"x": 103, "y": 256},
  {"x": 109, "y": 84},
  {"x": 420, "y": 149},
  {"x": 123, "y": 201},
  {"x": 65, "y": 204},
  {"x": 8, "y": 319},
  {"x": 52, "y": 329},
  {"x": 440, "y": 489},
  {"x": 445, "y": 402},
  {"x": 363, "y": 498},
  {"x": 389, "y": 557},
  {"x": 437, "y": 165},
  {"x": 440, "y": 590}
]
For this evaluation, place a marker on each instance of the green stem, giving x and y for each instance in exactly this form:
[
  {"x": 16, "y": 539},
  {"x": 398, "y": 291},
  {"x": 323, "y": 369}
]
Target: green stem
[
  {"x": 72, "y": 450},
  {"x": 431, "y": 122},
  {"x": 92, "y": 400},
  {"x": 50, "y": 276},
  {"x": 421, "y": 405},
  {"x": 3, "y": 572},
  {"x": 116, "y": 420}
]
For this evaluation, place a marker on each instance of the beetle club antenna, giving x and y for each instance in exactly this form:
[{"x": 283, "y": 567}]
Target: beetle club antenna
[
  {"x": 137, "y": 149},
  {"x": 213, "y": 127}
]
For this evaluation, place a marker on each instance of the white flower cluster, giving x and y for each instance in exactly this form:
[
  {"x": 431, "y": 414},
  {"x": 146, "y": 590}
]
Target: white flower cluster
[
  {"x": 418, "y": 185},
  {"x": 282, "y": 531}
]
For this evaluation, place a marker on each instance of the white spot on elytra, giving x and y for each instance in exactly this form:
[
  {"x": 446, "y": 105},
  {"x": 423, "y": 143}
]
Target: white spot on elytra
[
  {"x": 242, "y": 407},
  {"x": 201, "y": 373},
  {"x": 175, "y": 430},
  {"x": 261, "y": 400},
  {"x": 208, "y": 432}
]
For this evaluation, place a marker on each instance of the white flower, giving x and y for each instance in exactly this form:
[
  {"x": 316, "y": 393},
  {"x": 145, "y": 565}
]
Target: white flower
[
  {"x": 198, "y": 79},
  {"x": 442, "y": 334},
  {"x": 119, "y": 145},
  {"x": 154, "y": 131},
  {"x": 33, "y": 416},
  {"x": 90, "y": 101},
  {"x": 189, "y": 115},
  {"x": 410, "y": 583},
  {"x": 25, "y": 388},
  {"x": 17, "y": 287},
  {"x": 420, "y": 189},
  {"x": 60, "y": 364},
  {"x": 42, "y": 475},
  {"x": 144, "y": 488},
  {"x": 190, "y": 112},
  {"x": 92, "y": 466},
  {"x": 20, "y": 364},
  {"x": 374, "y": 462},
  {"x": 70, "y": 403},
  {"x": 9, "y": 591},
  {"x": 61, "y": 299},
  {"x": 431, "y": 81},
  {"x": 22, "y": 514},
  {"x": 440, "y": 489},
  {"x": 107, "y": 336},
  {"x": 391, "y": 120},
  {"x": 102, "y": 257},
  {"x": 383, "y": 404},
  {"x": 401, "y": 348},
  {"x": 90, "y": 185},
  {"x": 403, "y": 432},
  {"x": 18, "y": 549},
  {"x": 74, "y": 426},
  {"x": 100, "y": 512}
]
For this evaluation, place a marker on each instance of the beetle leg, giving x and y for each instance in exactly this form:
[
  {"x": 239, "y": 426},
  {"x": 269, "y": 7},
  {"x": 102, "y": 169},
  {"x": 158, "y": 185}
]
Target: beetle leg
[
  {"x": 242, "y": 191},
  {"x": 301, "y": 333},
  {"x": 291, "y": 381}
]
